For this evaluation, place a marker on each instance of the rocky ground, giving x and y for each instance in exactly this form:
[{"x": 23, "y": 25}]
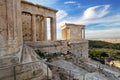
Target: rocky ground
[{"x": 79, "y": 73}]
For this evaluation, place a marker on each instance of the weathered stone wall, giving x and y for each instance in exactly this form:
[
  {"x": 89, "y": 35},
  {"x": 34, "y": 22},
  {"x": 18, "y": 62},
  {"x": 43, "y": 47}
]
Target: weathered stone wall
[
  {"x": 79, "y": 49},
  {"x": 10, "y": 27},
  {"x": 73, "y": 32},
  {"x": 49, "y": 46}
]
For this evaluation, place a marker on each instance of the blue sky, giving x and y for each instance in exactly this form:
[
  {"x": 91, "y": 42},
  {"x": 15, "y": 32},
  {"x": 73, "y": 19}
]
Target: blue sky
[{"x": 101, "y": 17}]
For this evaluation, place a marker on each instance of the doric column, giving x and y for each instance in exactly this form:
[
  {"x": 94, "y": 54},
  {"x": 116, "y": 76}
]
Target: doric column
[
  {"x": 53, "y": 29},
  {"x": 34, "y": 27}
]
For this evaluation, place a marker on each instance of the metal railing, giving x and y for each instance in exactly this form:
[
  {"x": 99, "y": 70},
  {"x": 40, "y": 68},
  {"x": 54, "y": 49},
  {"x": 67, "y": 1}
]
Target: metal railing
[
  {"x": 12, "y": 70},
  {"x": 58, "y": 70}
]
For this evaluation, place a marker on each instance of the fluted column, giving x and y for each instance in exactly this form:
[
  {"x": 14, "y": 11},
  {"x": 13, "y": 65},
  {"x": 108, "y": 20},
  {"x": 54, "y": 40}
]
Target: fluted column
[
  {"x": 45, "y": 28},
  {"x": 10, "y": 27},
  {"x": 41, "y": 19},
  {"x": 83, "y": 33},
  {"x": 34, "y": 27},
  {"x": 53, "y": 29}
]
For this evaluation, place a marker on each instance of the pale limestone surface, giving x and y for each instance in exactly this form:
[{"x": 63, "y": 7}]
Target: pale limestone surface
[
  {"x": 49, "y": 46},
  {"x": 34, "y": 22},
  {"x": 80, "y": 73},
  {"x": 24, "y": 71},
  {"x": 30, "y": 28},
  {"x": 73, "y": 32},
  {"x": 10, "y": 27},
  {"x": 12, "y": 51}
]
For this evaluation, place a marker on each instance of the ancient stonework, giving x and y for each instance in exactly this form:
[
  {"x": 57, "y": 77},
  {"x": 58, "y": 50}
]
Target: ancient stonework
[
  {"x": 34, "y": 22},
  {"x": 23, "y": 29},
  {"x": 73, "y": 32},
  {"x": 10, "y": 27},
  {"x": 13, "y": 55}
]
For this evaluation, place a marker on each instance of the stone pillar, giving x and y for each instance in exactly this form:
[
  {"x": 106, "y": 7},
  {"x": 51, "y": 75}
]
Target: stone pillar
[
  {"x": 41, "y": 19},
  {"x": 45, "y": 29},
  {"x": 10, "y": 27},
  {"x": 83, "y": 33},
  {"x": 41, "y": 28},
  {"x": 34, "y": 27},
  {"x": 53, "y": 29}
]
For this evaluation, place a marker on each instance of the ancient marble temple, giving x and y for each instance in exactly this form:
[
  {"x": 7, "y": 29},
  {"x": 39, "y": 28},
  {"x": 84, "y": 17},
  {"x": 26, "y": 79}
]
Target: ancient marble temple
[
  {"x": 34, "y": 22},
  {"x": 23, "y": 28}
]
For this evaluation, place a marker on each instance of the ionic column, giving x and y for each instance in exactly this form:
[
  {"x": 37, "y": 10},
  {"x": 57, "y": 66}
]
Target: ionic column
[
  {"x": 10, "y": 20},
  {"x": 53, "y": 29},
  {"x": 34, "y": 27},
  {"x": 41, "y": 19},
  {"x": 45, "y": 29},
  {"x": 83, "y": 33}
]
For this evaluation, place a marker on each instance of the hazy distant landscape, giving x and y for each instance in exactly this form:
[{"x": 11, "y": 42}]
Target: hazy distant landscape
[
  {"x": 110, "y": 40},
  {"x": 104, "y": 51}
]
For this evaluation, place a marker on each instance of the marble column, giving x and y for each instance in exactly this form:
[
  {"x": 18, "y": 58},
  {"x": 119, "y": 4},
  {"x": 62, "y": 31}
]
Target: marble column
[
  {"x": 10, "y": 27},
  {"x": 83, "y": 33},
  {"x": 53, "y": 29},
  {"x": 34, "y": 27},
  {"x": 41, "y": 19},
  {"x": 45, "y": 29}
]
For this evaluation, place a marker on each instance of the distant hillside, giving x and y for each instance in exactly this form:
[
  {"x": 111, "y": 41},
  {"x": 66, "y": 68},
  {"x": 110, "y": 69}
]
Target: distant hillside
[
  {"x": 110, "y": 40},
  {"x": 99, "y": 50},
  {"x": 103, "y": 44}
]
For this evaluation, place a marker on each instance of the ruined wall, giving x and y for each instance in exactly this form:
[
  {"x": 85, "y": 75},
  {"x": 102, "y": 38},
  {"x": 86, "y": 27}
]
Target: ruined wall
[
  {"x": 10, "y": 27},
  {"x": 79, "y": 49},
  {"x": 50, "y": 46},
  {"x": 75, "y": 33}
]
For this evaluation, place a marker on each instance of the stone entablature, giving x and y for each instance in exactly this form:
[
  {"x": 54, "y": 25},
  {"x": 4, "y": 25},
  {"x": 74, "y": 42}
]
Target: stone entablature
[
  {"x": 34, "y": 22},
  {"x": 73, "y": 32}
]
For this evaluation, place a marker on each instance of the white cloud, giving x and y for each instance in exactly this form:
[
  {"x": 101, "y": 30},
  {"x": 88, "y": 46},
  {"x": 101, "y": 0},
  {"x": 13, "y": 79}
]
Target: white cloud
[
  {"x": 61, "y": 14},
  {"x": 95, "y": 12},
  {"x": 108, "y": 33},
  {"x": 97, "y": 15},
  {"x": 70, "y": 2}
]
